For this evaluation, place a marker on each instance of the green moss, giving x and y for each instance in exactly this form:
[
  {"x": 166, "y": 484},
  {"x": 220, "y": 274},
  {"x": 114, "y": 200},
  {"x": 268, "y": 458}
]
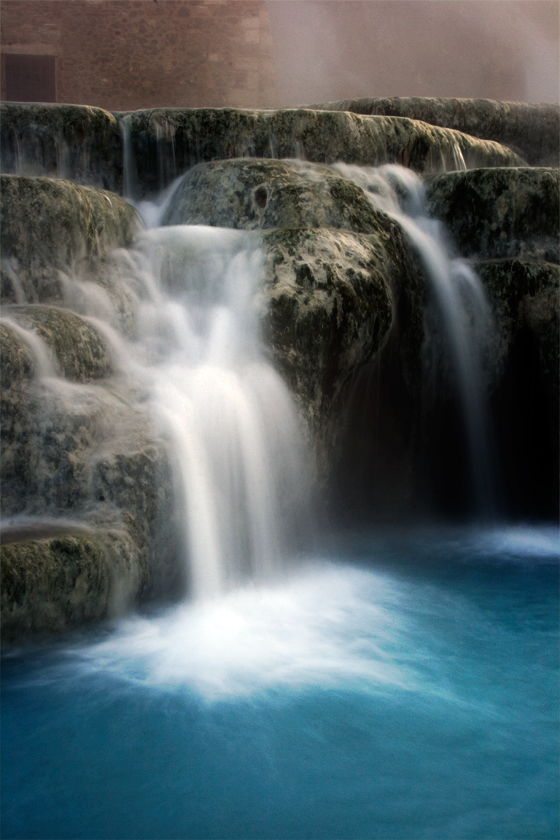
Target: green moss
[{"x": 51, "y": 586}]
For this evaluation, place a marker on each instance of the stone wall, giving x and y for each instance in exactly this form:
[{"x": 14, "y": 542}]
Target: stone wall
[{"x": 129, "y": 54}]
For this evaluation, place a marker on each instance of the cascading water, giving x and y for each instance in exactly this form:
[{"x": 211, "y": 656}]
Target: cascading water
[
  {"x": 232, "y": 428},
  {"x": 394, "y": 686},
  {"x": 232, "y": 431},
  {"x": 464, "y": 315}
]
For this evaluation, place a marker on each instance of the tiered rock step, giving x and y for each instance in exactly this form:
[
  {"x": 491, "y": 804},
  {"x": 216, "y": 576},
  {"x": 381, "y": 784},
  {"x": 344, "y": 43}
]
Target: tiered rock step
[
  {"x": 339, "y": 278},
  {"x": 533, "y": 131}
]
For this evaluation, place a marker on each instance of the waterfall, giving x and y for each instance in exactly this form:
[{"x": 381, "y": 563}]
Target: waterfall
[
  {"x": 232, "y": 430},
  {"x": 465, "y": 318},
  {"x": 188, "y": 356}
]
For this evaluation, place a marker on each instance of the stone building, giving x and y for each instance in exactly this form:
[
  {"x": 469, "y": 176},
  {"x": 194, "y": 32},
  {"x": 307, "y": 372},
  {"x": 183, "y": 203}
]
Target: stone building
[{"x": 130, "y": 54}]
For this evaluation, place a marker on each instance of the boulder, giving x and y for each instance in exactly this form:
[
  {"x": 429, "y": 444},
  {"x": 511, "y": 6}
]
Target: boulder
[
  {"x": 499, "y": 213},
  {"x": 49, "y": 227},
  {"x": 77, "y": 142},
  {"x": 262, "y": 194},
  {"x": 532, "y": 131},
  {"x": 165, "y": 142}
]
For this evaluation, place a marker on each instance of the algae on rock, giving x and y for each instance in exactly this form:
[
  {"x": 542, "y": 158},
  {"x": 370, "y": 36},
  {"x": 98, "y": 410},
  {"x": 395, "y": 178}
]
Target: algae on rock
[
  {"x": 78, "y": 142},
  {"x": 168, "y": 141},
  {"x": 499, "y": 213},
  {"x": 50, "y": 227},
  {"x": 533, "y": 131}
]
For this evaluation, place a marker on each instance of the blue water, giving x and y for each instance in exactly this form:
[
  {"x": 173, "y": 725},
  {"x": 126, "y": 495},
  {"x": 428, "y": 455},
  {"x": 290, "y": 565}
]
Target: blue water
[{"x": 393, "y": 686}]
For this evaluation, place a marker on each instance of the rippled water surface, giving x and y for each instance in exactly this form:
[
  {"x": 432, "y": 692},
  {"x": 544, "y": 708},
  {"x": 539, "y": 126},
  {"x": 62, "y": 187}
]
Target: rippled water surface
[{"x": 394, "y": 686}]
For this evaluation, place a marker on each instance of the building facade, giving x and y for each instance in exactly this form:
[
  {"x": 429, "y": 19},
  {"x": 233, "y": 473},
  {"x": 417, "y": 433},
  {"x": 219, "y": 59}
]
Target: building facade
[{"x": 128, "y": 54}]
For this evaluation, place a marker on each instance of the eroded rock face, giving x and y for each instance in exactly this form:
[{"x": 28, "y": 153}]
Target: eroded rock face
[
  {"x": 49, "y": 227},
  {"x": 168, "y": 141},
  {"x": 74, "y": 442},
  {"x": 499, "y": 213},
  {"x": 79, "y": 450},
  {"x": 329, "y": 302},
  {"x": 533, "y": 131},
  {"x": 77, "y": 142}
]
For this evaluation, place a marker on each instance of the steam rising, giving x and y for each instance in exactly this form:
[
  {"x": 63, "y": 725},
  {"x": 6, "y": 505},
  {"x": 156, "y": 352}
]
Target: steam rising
[{"x": 506, "y": 49}]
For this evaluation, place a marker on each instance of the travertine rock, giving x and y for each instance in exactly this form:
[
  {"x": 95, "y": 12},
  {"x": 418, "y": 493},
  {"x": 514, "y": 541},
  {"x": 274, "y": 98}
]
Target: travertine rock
[
  {"x": 499, "y": 213},
  {"x": 533, "y": 131}
]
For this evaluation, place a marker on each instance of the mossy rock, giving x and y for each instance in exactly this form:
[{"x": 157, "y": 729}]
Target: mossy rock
[
  {"x": 500, "y": 213},
  {"x": 17, "y": 362},
  {"x": 52, "y": 586},
  {"x": 262, "y": 194},
  {"x": 168, "y": 141},
  {"x": 533, "y": 131},
  {"x": 525, "y": 297},
  {"x": 79, "y": 450},
  {"x": 328, "y": 304},
  {"x": 77, "y": 142},
  {"x": 81, "y": 353},
  {"x": 50, "y": 227}
]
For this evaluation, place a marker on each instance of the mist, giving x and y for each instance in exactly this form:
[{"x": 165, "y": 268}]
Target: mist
[{"x": 339, "y": 49}]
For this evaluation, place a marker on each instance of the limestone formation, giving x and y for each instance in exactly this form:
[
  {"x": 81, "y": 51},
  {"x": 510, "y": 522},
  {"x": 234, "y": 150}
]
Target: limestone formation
[
  {"x": 533, "y": 131},
  {"x": 74, "y": 444},
  {"x": 329, "y": 302},
  {"x": 499, "y": 213},
  {"x": 77, "y": 142},
  {"x": 168, "y": 141},
  {"x": 52, "y": 585},
  {"x": 79, "y": 351},
  {"x": 49, "y": 227}
]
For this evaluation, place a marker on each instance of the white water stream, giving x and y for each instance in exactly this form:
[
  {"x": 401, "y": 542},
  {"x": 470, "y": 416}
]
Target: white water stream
[
  {"x": 465, "y": 319},
  {"x": 234, "y": 438}
]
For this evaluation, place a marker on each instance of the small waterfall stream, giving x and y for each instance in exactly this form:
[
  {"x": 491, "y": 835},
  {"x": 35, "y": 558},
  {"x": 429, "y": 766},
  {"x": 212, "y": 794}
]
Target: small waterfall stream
[
  {"x": 232, "y": 428},
  {"x": 464, "y": 313}
]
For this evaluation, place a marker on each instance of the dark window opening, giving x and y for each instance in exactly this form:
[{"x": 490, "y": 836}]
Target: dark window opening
[{"x": 30, "y": 78}]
